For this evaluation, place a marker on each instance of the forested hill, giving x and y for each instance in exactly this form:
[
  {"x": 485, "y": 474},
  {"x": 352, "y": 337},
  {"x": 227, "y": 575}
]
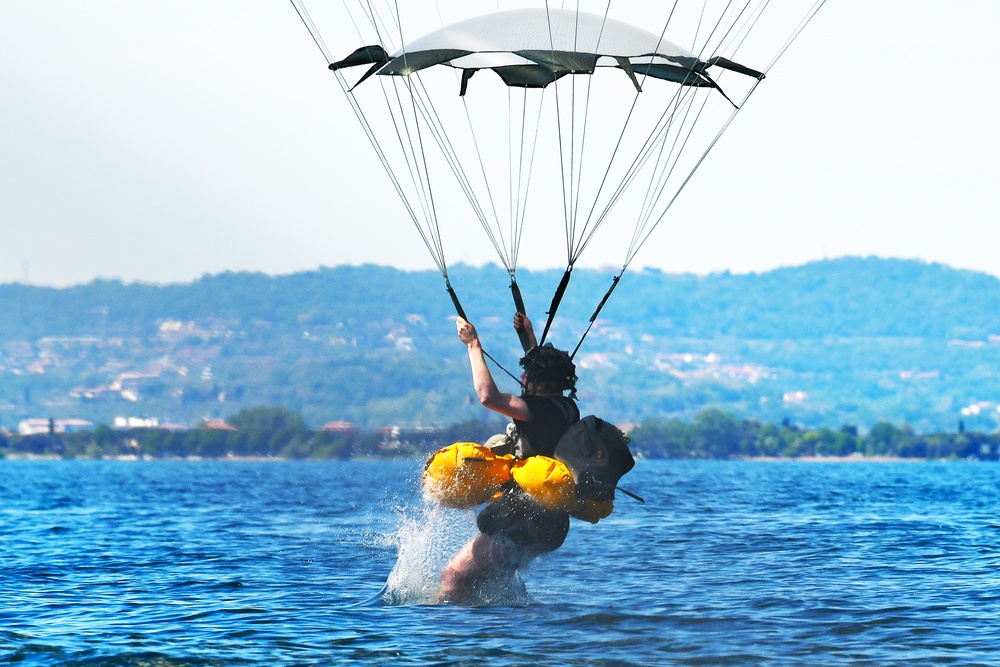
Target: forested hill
[
  {"x": 845, "y": 297},
  {"x": 849, "y": 339}
]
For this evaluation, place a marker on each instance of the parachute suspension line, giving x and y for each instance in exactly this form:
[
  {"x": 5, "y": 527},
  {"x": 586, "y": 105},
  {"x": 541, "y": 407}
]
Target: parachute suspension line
[
  {"x": 514, "y": 177},
  {"x": 522, "y": 197},
  {"x": 399, "y": 29},
  {"x": 577, "y": 241},
  {"x": 437, "y": 6},
  {"x": 664, "y": 170},
  {"x": 570, "y": 186},
  {"x": 559, "y": 135},
  {"x": 711, "y": 33},
  {"x": 798, "y": 30},
  {"x": 431, "y": 248},
  {"x": 738, "y": 32},
  {"x": 661, "y": 128},
  {"x": 662, "y": 175},
  {"x": 577, "y": 186},
  {"x": 414, "y": 154},
  {"x": 311, "y": 29},
  {"x": 658, "y": 185},
  {"x": 597, "y": 311},
  {"x": 663, "y": 214},
  {"x": 806, "y": 20},
  {"x": 429, "y": 235},
  {"x": 375, "y": 19},
  {"x": 585, "y": 239},
  {"x": 391, "y": 27},
  {"x": 569, "y": 220},
  {"x": 514, "y": 204},
  {"x": 497, "y": 245},
  {"x": 419, "y": 179},
  {"x": 630, "y": 172},
  {"x": 434, "y": 230},
  {"x": 380, "y": 153},
  {"x": 657, "y": 137},
  {"x": 421, "y": 101},
  {"x": 511, "y": 202},
  {"x": 518, "y": 178},
  {"x": 428, "y": 230},
  {"x": 697, "y": 30}
]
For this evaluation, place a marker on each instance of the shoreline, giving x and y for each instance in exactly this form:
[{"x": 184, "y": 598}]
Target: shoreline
[{"x": 852, "y": 458}]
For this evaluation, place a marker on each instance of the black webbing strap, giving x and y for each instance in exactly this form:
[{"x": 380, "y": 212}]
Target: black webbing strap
[
  {"x": 515, "y": 291},
  {"x": 454, "y": 299},
  {"x": 593, "y": 318},
  {"x": 461, "y": 313},
  {"x": 556, "y": 300}
]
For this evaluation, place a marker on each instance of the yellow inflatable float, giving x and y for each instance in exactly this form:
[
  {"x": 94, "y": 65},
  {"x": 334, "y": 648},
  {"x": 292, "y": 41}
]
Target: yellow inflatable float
[{"x": 466, "y": 474}]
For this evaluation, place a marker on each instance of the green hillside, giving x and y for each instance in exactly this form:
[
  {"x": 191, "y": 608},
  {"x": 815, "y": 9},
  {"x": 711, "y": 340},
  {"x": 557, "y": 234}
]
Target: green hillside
[{"x": 849, "y": 341}]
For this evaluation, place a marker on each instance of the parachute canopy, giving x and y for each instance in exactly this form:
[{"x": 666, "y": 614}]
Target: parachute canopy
[{"x": 531, "y": 48}]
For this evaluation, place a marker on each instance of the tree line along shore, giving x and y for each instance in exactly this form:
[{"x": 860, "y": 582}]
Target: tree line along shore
[{"x": 277, "y": 433}]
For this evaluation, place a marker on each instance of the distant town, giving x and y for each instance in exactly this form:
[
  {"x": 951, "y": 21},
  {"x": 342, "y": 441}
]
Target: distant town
[{"x": 830, "y": 344}]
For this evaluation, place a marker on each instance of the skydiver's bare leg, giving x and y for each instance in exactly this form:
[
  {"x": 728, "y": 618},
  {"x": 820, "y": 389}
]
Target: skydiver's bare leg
[{"x": 481, "y": 560}]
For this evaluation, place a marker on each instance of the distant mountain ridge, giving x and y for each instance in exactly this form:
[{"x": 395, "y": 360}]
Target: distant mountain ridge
[
  {"x": 843, "y": 297},
  {"x": 848, "y": 334}
]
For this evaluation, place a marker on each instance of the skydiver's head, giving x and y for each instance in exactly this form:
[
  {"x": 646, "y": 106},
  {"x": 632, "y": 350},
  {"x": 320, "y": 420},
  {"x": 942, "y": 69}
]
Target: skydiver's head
[{"x": 548, "y": 371}]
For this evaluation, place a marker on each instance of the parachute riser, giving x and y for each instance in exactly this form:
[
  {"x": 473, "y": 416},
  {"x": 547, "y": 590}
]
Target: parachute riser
[
  {"x": 461, "y": 313},
  {"x": 454, "y": 299},
  {"x": 597, "y": 311},
  {"x": 515, "y": 292},
  {"x": 556, "y": 300}
]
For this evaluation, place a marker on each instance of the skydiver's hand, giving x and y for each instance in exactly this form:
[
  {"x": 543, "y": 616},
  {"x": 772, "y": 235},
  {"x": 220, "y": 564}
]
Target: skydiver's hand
[
  {"x": 522, "y": 323},
  {"x": 466, "y": 332}
]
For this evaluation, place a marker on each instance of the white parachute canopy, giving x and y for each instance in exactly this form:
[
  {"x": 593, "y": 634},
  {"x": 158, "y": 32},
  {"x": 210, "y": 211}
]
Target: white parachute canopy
[{"x": 538, "y": 39}]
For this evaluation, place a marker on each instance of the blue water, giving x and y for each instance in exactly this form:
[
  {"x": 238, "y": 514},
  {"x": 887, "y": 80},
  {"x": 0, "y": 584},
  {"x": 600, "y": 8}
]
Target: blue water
[{"x": 165, "y": 564}]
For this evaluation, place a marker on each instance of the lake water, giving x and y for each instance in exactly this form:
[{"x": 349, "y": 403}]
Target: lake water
[{"x": 173, "y": 563}]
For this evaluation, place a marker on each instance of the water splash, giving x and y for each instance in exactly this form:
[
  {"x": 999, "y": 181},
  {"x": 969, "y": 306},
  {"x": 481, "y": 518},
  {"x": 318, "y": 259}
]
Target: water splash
[{"x": 427, "y": 538}]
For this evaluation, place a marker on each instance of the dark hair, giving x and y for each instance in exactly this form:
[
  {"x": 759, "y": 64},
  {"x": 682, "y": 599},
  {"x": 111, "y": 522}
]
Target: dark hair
[{"x": 550, "y": 369}]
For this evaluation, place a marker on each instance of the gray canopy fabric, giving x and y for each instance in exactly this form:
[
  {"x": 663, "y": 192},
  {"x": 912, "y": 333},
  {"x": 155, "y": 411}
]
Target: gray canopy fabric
[{"x": 531, "y": 48}]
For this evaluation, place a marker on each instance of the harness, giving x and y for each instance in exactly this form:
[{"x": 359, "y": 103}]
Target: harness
[{"x": 517, "y": 439}]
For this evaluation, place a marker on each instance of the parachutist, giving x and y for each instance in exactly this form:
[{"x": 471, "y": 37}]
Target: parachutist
[{"x": 515, "y": 528}]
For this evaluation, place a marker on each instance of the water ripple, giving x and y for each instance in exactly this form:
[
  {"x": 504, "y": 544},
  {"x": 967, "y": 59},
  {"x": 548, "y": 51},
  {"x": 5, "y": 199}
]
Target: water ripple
[{"x": 178, "y": 564}]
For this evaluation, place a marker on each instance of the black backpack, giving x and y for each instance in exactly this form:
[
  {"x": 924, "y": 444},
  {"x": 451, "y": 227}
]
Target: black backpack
[{"x": 597, "y": 454}]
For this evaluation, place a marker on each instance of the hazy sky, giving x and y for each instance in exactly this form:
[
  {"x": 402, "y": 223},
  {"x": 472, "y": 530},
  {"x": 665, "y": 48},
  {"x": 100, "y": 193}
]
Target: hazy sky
[{"x": 162, "y": 140}]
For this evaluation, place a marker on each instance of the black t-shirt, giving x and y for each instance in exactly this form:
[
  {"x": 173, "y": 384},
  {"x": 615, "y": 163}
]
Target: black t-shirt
[{"x": 551, "y": 417}]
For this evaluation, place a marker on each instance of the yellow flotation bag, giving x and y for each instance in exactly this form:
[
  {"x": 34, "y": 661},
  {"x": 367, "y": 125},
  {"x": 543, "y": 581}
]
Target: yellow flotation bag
[
  {"x": 548, "y": 481},
  {"x": 465, "y": 474}
]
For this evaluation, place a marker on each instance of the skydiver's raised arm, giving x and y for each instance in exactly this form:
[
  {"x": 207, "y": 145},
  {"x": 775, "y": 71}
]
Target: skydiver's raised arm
[
  {"x": 486, "y": 389},
  {"x": 522, "y": 323}
]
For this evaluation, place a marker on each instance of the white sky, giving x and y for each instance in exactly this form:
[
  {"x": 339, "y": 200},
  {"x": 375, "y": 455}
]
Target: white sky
[{"x": 162, "y": 140}]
